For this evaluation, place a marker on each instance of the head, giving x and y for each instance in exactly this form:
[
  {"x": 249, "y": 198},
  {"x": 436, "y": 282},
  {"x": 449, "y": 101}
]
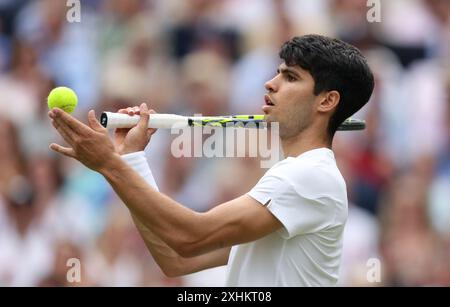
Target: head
[{"x": 321, "y": 82}]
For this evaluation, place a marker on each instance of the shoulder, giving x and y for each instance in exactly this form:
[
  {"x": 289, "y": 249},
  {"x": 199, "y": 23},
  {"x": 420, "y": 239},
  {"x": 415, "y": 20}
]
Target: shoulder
[
  {"x": 306, "y": 193},
  {"x": 311, "y": 174}
]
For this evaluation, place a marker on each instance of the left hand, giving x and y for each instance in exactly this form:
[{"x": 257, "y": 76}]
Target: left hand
[
  {"x": 136, "y": 138},
  {"x": 90, "y": 145}
]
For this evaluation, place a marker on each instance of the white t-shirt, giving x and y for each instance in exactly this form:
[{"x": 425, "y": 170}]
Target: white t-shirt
[{"x": 308, "y": 195}]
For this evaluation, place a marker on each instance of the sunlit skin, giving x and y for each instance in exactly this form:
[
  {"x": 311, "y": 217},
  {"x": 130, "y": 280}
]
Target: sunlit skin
[{"x": 302, "y": 116}]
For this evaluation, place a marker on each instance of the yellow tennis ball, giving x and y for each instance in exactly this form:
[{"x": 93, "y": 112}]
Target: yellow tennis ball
[{"x": 63, "y": 98}]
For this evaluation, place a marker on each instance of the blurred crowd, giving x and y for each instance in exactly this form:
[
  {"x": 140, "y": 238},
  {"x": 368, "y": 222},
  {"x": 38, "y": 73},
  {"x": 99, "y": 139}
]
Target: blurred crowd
[{"x": 213, "y": 57}]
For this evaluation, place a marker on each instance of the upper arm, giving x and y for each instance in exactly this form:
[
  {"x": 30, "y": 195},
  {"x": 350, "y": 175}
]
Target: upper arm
[
  {"x": 238, "y": 221},
  {"x": 275, "y": 203}
]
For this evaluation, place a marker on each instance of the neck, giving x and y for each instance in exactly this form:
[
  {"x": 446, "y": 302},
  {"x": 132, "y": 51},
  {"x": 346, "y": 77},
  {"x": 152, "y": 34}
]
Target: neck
[{"x": 304, "y": 141}]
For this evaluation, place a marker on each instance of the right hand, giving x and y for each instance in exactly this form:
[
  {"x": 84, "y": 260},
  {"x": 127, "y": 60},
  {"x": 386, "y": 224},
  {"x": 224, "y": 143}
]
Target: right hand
[{"x": 128, "y": 140}]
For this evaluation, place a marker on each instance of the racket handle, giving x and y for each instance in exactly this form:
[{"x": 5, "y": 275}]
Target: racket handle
[{"x": 112, "y": 120}]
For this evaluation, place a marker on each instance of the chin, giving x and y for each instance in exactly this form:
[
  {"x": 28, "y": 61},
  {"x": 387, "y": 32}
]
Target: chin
[{"x": 269, "y": 118}]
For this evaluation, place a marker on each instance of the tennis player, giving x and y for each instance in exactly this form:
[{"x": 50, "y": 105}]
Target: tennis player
[{"x": 286, "y": 231}]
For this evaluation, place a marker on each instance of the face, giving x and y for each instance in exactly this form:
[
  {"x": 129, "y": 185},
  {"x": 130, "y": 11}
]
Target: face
[{"x": 290, "y": 100}]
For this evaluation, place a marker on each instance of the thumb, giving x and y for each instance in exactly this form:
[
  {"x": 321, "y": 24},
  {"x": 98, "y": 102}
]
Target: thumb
[
  {"x": 143, "y": 122},
  {"x": 93, "y": 122},
  {"x": 151, "y": 131}
]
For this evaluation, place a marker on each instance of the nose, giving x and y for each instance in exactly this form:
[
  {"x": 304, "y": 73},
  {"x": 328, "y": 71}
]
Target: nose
[{"x": 271, "y": 85}]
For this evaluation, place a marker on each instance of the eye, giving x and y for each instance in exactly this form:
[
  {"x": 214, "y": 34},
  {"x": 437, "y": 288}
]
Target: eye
[{"x": 290, "y": 78}]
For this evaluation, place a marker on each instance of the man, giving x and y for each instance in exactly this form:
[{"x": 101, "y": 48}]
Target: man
[{"x": 287, "y": 231}]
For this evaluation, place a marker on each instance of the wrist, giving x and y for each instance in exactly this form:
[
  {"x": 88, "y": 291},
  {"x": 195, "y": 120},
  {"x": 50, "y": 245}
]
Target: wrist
[
  {"x": 130, "y": 156},
  {"x": 111, "y": 165},
  {"x": 126, "y": 151}
]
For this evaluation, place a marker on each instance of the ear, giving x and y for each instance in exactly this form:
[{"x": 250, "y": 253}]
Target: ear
[{"x": 329, "y": 101}]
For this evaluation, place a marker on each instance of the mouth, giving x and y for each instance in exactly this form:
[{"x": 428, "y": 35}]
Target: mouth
[{"x": 268, "y": 101}]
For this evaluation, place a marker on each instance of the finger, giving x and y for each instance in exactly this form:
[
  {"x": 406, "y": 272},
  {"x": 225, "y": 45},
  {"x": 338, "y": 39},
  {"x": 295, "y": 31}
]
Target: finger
[
  {"x": 93, "y": 122},
  {"x": 143, "y": 122},
  {"x": 66, "y": 134},
  {"x": 129, "y": 111},
  {"x": 121, "y": 131},
  {"x": 151, "y": 131},
  {"x": 69, "y": 152},
  {"x": 64, "y": 119},
  {"x": 122, "y": 111},
  {"x": 150, "y": 113},
  {"x": 136, "y": 110}
]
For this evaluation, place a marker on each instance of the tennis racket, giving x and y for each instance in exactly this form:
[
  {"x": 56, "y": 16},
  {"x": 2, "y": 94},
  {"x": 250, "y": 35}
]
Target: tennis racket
[{"x": 112, "y": 120}]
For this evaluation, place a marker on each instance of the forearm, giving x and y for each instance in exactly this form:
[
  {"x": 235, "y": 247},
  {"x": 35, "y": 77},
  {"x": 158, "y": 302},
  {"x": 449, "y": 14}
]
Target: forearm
[
  {"x": 168, "y": 220},
  {"x": 166, "y": 258},
  {"x": 170, "y": 262},
  {"x": 187, "y": 232}
]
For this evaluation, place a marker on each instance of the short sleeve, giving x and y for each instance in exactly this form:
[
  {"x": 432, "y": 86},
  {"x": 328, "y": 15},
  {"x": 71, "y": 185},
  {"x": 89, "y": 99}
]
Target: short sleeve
[{"x": 294, "y": 207}]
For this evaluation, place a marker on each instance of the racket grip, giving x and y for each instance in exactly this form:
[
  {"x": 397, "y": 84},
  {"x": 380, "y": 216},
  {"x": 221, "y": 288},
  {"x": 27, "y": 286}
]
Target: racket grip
[{"x": 112, "y": 120}]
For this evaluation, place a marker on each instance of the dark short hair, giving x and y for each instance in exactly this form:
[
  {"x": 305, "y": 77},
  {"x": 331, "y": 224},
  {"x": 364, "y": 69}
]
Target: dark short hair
[{"x": 334, "y": 65}]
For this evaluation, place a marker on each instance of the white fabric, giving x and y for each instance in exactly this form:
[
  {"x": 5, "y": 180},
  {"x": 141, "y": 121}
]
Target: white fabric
[
  {"x": 138, "y": 162},
  {"x": 308, "y": 195}
]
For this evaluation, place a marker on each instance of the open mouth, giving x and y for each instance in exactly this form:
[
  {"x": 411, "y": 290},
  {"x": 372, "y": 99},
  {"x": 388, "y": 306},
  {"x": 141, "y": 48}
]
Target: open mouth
[{"x": 268, "y": 101}]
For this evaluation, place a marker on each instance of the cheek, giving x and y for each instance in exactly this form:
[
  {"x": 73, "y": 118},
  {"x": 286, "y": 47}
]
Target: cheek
[
  {"x": 298, "y": 113},
  {"x": 295, "y": 95},
  {"x": 295, "y": 99},
  {"x": 293, "y": 105}
]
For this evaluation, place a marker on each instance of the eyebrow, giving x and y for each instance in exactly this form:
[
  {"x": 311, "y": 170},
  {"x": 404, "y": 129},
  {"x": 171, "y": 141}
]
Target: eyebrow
[{"x": 287, "y": 70}]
